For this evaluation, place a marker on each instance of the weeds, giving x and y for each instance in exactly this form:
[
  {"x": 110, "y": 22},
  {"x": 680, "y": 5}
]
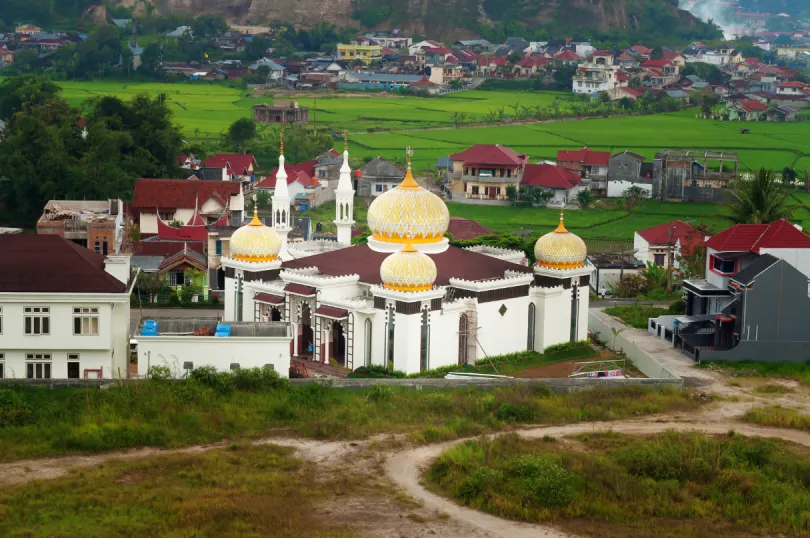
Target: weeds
[
  {"x": 779, "y": 417},
  {"x": 633, "y": 486},
  {"x": 37, "y": 422}
]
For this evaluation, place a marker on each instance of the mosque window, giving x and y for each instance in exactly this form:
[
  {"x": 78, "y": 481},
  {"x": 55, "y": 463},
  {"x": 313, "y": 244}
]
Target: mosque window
[
  {"x": 389, "y": 344},
  {"x": 530, "y": 342},
  {"x": 368, "y": 342},
  {"x": 424, "y": 342}
]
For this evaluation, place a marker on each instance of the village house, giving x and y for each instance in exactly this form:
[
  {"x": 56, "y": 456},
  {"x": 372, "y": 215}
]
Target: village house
[
  {"x": 96, "y": 225},
  {"x": 598, "y": 74},
  {"x": 304, "y": 189},
  {"x": 693, "y": 175},
  {"x": 6, "y": 56},
  {"x": 366, "y": 54},
  {"x": 64, "y": 310},
  {"x": 628, "y": 169},
  {"x": 608, "y": 269},
  {"x": 445, "y": 73},
  {"x": 591, "y": 166},
  {"x": 281, "y": 113},
  {"x": 167, "y": 200},
  {"x": 660, "y": 244},
  {"x": 792, "y": 88},
  {"x": 377, "y": 177},
  {"x": 750, "y": 305},
  {"x": 236, "y": 166},
  {"x": 484, "y": 171},
  {"x": 747, "y": 110},
  {"x": 27, "y": 29},
  {"x": 563, "y": 184}
]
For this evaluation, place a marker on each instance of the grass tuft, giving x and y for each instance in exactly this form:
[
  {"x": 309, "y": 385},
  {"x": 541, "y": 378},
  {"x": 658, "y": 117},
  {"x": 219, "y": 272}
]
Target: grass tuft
[{"x": 780, "y": 417}]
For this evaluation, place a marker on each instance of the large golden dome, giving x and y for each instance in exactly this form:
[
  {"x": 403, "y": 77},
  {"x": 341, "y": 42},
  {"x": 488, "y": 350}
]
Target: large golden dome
[
  {"x": 255, "y": 242},
  {"x": 408, "y": 213},
  {"x": 408, "y": 270},
  {"x": 560, "y": 249}
]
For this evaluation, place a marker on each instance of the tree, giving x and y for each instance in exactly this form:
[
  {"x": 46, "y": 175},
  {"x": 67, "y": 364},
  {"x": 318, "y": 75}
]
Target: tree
[
  {"x": 458, "y": 118},
  {"x": 241, "y": 132},
  {"x": 175, "y": 223},
  {"x": 511, "y": 192},
  {"x": 263, "y": 199},
  {"x": 789, "y": 176},
  {"x": 19, "y": 93},
  {"x": 692, "y": 258},
  {"x": 634, "y": 195},
  {"x": 584, "y": 198},
  {"x": 151, "y": 285},
  {"x": 760, "y": 200}
]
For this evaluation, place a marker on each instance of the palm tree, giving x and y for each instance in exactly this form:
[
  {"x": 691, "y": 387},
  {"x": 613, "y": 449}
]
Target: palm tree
[{"x": 760, "y": 200}]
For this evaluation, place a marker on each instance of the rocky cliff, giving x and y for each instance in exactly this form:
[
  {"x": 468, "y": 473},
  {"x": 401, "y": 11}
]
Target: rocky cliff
[{"x": 448, "y": 18}]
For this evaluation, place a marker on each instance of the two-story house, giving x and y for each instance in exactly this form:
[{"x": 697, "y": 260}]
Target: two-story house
[
  {"x": 484, "y": 171},
  {"x": 64, "y": 310},
  {"x": 628, "y": 169},
  {"x": 562, "y": 184},
  {"x": 235, "y": 166},
  {"x": 97, "y": 225},
  {"x": 753, "y": 301},
  {"x": 598, "y": 74},
  {"x": 181, "y": 199},
  {"x": 660, "y": 245},
  {"x": 591, "y": 166}
]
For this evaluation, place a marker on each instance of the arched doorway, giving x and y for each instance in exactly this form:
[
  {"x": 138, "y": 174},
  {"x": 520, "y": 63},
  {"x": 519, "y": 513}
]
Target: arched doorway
[
  {"x": 275, "y": 314},
  {"x": 462, "y": 339},
  {"x": 338, "y": 347},
  {"x": 305, "y": 340}
]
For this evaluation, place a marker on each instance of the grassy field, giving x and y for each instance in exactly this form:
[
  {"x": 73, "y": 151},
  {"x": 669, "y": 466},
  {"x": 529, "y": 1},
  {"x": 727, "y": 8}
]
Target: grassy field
[
  {"x": 235, "y": 492},
  {"x": 206, "y": 109},
  {"x": 779, "y": 417},
  {"x": 670, "y": 485},
  {"x": 790, "y": 370},
  {"x": 39, "y": 422}
]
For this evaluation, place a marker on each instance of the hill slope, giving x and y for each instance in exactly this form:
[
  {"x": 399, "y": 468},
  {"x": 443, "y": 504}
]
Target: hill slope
[{"x": 448, "y": 19}]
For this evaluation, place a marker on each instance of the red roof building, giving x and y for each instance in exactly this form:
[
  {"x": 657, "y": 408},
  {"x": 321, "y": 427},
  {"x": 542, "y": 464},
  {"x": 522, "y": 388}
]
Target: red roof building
[
  {"x": 751, "y": 105},
  {"x": 568, "y": 56},
  {"x": 656, "y": 64},
  {"x": 466, "y": 229},
  {"x": 295, "y": 173},
  {"x": 660, "y": 235},
  {"x": 236, "y": 164},
  {"x": 490, "y": 154},
  {"x": 549, "y": 176},
  {"x": 165, "y": 194},
  {"x": 585, "y": 156},
  {"x": 755, "y": 237}
]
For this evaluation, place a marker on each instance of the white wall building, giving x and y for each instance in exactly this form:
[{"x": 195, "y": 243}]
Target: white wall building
[
  {"x": 407, "y": 300},
  {"x": 64, "y": 310}
]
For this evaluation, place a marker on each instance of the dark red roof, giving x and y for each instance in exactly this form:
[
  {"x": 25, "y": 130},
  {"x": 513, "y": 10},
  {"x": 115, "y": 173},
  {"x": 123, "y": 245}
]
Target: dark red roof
[
  {"x": 792, "y": 84},
  {"x": 180, "y": 193},
  {"x": 568, "y": 55},
  {"x": 751, "y": 105},
  {"x": 656, "y": 63},
  {"x": 164, "y": 248},
  {"x": 670, "y": 55},
  {"x": 659, "y": 235},
  {"x": 602, "y": 53},
  {"x": 331, "y": 312},
  {"x": 753, "y": 237},
  {"x": 641, "y": 49},
  {"x": 237, "y": 162},
  {"x": 630, "y": 91},
  {"x": 300, "y": 289},
  {"x": 422, "y": 82},
  {"x": 584, "y": 156},
  {"x": 490, "y": 154},
  {"x": 294, "y": 173},
  {"x": 183, "y": 233},
  {"x": 464, "y": 229},
  {"x": 549, "y": 177},
  {"x": 268, "y": 298},
  {"x": 452, "y": 263},
  {"x": 51, "y": 264}
]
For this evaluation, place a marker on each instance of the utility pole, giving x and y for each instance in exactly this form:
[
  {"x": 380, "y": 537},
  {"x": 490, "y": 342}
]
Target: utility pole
[{"x": 669, "y": 260}]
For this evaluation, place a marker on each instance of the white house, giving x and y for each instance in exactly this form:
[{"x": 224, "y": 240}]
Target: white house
[
  {"x": 64, "y": 310},
  {"x": 654, "y": 244},
  {"x": 598, "y": 74},
  {"x": 563, "y": 184}
]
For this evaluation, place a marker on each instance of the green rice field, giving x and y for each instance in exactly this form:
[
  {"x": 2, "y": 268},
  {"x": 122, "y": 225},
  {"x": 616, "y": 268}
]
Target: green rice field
[{"x": 204, "y": 110}]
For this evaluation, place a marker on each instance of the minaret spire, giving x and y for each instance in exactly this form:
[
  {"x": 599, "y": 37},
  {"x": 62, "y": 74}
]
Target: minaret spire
[
  {"x": 281, "y": 202},
  {"x": 344, "y": 197}
]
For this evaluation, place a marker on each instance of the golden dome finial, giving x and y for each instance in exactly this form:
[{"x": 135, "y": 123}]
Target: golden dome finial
[
  {"x": 409, "y": 182},
  {"x": 345, "y": 140},
  {"x": 281, "y": 139},
  {"x": 255, "y": 221},
  {"x": 409, "y": 154},
  {"x": 561, "y": 228}
]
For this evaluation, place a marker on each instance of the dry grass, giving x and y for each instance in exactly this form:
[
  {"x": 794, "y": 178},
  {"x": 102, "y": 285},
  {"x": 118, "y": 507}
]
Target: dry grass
[
  {"x": 780, "y": 417},
  {"x": 249, "y": 491}
]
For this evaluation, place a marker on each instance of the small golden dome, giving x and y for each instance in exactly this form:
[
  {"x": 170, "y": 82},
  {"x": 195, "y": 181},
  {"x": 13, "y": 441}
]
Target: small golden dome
[
  {"x": 408, "y": 270},
  {"x": 560, "y": 249},
  {"x": 255, "y": 242},
  {"x": 408, "y": 214}
]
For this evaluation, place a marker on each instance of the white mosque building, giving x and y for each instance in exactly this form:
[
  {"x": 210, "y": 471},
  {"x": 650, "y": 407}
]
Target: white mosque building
[{"x": 407, "y": 299}]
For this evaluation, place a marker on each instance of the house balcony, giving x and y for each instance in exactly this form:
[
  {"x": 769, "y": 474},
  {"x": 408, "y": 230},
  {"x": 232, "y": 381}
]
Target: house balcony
[
  {"x": 459, "y": 176},
  {"x": 495, "y": 197}
]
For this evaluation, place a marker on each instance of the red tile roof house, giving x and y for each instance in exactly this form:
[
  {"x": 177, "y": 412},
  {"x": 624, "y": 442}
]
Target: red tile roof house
[
  {"x": 303, "y": 188},
  {"x": 236, "y": 166},
  {"x": 653, "y": 244},
  {"x": 591, "y": 166},
  {"x": 466, "y": 229},
  {"x": 563, "y": 184},
  {"x": 747, "y": 110},
  {"x": 718, "y": 317},
  {"x": 484, "y": 171},
  {"x": 179, "y": 199}
]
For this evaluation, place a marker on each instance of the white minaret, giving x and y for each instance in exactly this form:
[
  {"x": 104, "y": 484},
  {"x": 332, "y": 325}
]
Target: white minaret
[
  {"x": 344, "y": 198},
  {"x": 281, "y": 203}
]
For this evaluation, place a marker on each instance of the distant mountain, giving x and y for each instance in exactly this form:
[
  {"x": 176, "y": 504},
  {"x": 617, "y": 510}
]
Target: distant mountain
[{"x": 452, "y": 19}]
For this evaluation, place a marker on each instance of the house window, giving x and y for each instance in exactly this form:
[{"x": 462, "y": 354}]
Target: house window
[
  {"x": 2, "y": 366},
  {"x": 659, "y": 260},
  {"x": 389, "y": 337},
  {"x": 378, "y": 188},
  {"x": 475, "y": 189},
  {"x": 219, "y": 247},
  {"x": 462, "y": 339},
  {"x": 177, "y": 278},
  {"x": 85, "y": 321},
  {"x": 723, "y": 267},
  {"x": 165, "y": 216},
  {"x": 38, "y": 365},
  {"x": 37, "y": 320},
  {"x": 73, "y": 366},
  {"x": 530, "y": 341},
  {"x": 97, "y": 247}
]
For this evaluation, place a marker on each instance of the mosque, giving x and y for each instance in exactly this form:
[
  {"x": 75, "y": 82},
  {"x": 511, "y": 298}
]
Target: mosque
[{"x": 407, "y": 300}]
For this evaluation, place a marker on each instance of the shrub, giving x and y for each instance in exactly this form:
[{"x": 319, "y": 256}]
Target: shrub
[
  {"x": 543, "y": 479},
  {"x": 258, "y": 379},
  {"x": 160, "y": 373},
  {"x": 376, "y": 371},
  {"x": 381, "y": 393},
  {"x": 208, "y": 376},
  {"x": 566, "y": 346},
  {"x": 677, "y": 307},
  {"x": 13, "y": 410}
]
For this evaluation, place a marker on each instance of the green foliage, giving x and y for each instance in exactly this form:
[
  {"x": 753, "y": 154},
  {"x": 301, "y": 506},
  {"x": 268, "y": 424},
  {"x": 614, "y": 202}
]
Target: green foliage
[
  {"x": 241, "y": 132},
  {"x": 779, "y": 417},
  {"x": 636, "y": 316},
  {"x": 792, "y": 370},
  {"x": 375, "y": 371},
  {"x": 760, "y": 200},
  {"x": 381, "y": 393},
  {"x": 162, "y": 412},
  {"x": 584, "y": 198},
  {"x": 634, "y": 195},
  {"x": 630, "y": 484}
]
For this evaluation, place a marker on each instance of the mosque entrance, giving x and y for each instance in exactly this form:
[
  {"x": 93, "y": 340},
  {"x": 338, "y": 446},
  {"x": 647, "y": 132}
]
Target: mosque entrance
[
  {"x": 338, "y": 347},
  {"x": 305, "y": 340}
]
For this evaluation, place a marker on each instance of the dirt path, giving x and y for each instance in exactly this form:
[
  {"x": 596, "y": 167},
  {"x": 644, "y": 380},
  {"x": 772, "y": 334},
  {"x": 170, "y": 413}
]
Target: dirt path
[{"x": 405, "y": 468}]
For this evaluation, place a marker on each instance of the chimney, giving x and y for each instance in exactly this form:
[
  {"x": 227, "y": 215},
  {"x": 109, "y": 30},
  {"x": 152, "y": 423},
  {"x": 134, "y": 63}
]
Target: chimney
[{"x": 119, "y": 267}]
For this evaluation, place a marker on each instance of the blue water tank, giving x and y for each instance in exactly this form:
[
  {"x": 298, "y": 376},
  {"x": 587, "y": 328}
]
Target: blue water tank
[
  {"x": 150, "y": 328},
  {"x": 303, "y": 207},
  {"x": 223, "y": 330}
]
